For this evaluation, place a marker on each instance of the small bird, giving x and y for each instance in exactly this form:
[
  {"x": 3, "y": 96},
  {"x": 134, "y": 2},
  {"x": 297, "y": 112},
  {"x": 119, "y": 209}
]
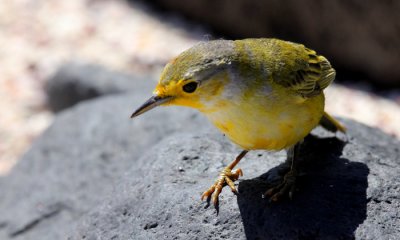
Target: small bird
[{"x": 261, "y": 93}]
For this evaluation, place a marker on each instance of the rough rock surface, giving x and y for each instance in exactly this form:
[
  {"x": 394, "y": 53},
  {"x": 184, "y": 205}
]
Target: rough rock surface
[
  {"x": 77, "y": 162},
  {"x": 350, "y": 190},
  {"x": 355, "y": 36},
  {"x": 75, "y": 82},
  {"x": 95, "y": 174}
]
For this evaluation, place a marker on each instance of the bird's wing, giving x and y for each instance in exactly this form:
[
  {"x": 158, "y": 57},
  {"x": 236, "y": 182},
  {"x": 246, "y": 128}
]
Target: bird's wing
[{"x": 308, "y": 75}]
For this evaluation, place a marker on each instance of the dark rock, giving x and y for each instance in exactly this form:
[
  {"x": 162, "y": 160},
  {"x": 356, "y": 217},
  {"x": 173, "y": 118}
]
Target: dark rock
[
  {"x": 77, "y": 162},
  {"x": 96, "y": 174},
  {"x": 358, "y": 36},
  {"x": 75, "y": 82},
  {"x": 350, "y": 190}
]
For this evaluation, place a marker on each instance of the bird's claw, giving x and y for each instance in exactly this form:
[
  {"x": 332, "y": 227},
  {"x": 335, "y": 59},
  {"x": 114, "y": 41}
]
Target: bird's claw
[
  {"x": 226, "y": 177},
  {"x": 287, "y": 186}
]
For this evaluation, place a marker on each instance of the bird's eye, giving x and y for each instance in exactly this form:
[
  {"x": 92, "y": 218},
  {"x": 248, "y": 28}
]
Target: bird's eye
[{"x": 190, "y": 87}]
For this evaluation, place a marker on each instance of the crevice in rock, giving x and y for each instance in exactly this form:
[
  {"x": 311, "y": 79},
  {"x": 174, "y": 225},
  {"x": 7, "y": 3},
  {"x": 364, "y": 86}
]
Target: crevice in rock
[
  {"x": 150, "y": 225},
  {"x": 36, "y": 221}
]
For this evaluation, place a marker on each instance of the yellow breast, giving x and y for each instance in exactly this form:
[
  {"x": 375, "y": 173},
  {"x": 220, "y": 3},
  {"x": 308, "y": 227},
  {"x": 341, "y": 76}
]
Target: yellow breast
[{"x": 272, "y": 121}]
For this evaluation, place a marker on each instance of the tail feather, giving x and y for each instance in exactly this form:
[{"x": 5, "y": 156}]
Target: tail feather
[{"x": 331, "y": 124}]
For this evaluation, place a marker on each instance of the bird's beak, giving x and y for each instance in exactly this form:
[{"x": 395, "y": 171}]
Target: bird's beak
[{"x": 151, "y": 103}]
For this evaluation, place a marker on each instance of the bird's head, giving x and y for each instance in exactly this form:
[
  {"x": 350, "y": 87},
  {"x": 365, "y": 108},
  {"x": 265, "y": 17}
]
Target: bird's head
[{"x": 196, "y": 78}]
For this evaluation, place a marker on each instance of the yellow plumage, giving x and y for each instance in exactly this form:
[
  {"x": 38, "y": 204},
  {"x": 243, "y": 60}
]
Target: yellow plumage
[
  {"x": 262, "y": 93},
  {"x": 256, "y": 123},
  {"x": 265, "y": 93}
]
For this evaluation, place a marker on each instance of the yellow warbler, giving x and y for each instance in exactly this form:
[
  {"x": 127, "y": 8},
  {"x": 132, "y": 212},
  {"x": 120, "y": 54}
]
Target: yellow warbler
[{"x": 261, "y": 93}]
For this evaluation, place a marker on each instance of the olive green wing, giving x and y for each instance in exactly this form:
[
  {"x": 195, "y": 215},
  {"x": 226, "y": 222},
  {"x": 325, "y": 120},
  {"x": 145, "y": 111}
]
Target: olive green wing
[{"x": 307, "y": 74}]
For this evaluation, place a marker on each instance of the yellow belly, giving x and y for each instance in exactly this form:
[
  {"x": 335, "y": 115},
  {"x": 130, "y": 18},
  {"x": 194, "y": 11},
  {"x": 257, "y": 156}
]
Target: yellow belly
[{"x": 270, "y": 124}]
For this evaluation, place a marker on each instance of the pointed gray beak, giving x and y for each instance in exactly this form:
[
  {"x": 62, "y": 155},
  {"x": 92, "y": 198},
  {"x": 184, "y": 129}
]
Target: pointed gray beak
[{"x": 153, "y": 102}]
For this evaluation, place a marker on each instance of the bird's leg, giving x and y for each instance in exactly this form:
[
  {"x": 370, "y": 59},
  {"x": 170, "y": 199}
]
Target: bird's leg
[
  {"x": 226, "y": 177},
  {"x": 287, "y": 186}
]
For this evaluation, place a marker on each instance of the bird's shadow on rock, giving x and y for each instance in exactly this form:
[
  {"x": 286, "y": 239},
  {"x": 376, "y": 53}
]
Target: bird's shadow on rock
[{"x": 330, "y": 204}]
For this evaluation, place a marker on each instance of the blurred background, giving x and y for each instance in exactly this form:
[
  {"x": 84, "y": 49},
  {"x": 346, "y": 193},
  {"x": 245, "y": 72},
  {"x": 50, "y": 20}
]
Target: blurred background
[{"x": 37, "y": 37}]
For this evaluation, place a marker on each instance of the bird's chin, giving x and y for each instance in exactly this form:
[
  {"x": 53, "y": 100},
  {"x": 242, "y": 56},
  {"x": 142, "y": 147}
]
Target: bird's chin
[{"x": 185, "y": 103}]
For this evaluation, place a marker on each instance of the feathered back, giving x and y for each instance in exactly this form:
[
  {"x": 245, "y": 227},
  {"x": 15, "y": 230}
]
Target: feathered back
[{"x": 288, "y": 64}]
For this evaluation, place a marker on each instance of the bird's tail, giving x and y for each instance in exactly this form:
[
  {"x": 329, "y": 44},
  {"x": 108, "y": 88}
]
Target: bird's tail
[{"x": 331, "y": 124}]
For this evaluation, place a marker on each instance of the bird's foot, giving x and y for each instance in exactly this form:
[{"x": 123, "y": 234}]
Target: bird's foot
[
  {"x": 287, "y": 186},
  {"x": 226, "y": 177}
]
